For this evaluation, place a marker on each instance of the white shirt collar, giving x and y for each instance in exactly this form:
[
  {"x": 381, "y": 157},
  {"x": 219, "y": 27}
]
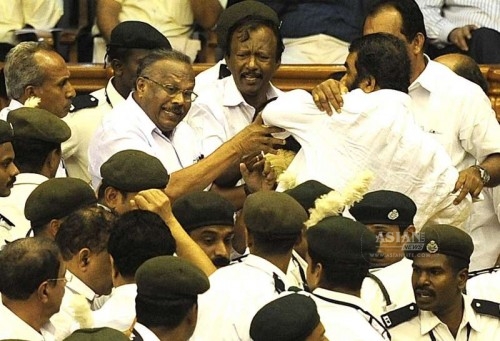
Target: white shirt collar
[
  {"x": 30, "y": 178},
  {"x": 145, "y": 333},
  {"x": 112, "y": 94},
  {"x": 78, "y": 287},
  {"x": 338, "y": 296},
  {"x": 232, "y": 97},
  {"x": 266, "y": 266}
]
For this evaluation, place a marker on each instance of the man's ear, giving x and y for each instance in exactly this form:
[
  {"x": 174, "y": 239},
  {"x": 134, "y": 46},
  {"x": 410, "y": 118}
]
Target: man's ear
[
  {"x": 42, "y": 292},
  {"x": 117, "y": 67},
  {"x": 417, "y": 44},
  {"x": 53, "y": 227},
  {"x": 462, "y": 276},
  {"x": 369, "y": 84},
  {"x": 111, "y": 197},
  {"x": 84, "y": 259}
]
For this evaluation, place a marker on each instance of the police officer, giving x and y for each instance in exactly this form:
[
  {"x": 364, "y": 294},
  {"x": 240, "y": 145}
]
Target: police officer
[
  {"x": 126, "y": 173},
  {"x": 130, "y": 41},
  {"x": 38, "y": 135},
  {"x": 339, "y": 251},
  {"x": 442, "y": 312},
  {"x": 167, "y": 295}
]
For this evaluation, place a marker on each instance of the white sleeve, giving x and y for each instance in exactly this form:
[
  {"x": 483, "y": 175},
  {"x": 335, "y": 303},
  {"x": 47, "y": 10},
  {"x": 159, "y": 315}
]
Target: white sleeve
[
  {"x": 42, "y": 14},
  {"x": 438, "y": 27}
]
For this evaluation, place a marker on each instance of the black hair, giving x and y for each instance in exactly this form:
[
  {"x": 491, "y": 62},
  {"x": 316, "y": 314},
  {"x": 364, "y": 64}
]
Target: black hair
[
  {"x": 385, "y": 58},
  {"x": 25, "y": 264},
  {"x": 158, "y": 55},
  {"x": 136, "y": 237},
  {"x": 267, "y": 245},
  {"x": 32, "y": 153},
  {"x": 88, "y": 227},
  {"x": 411, "y": 16}
]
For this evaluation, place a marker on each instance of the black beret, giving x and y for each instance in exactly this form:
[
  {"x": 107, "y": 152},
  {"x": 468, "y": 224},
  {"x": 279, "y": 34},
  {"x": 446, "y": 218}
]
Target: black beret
[
  {"x": 274, "y": 214},
  {"x": 56, "y": 198},
  {"x": 97, "y": 334},
  {"x": 444, "y": 239},
  {"x": 134, "y": 171},
  {"x": 342, "y": 240},
  {"x": 242, "y": 10},
  {"x": 169, "y": 278},
  {"x": 6, "y": 132},
  {"x": 138, "y": 35},
  {"x": 38, "y": 124},
  {"x": 307, "y": 192},
  {"x": 199, "y": 209},
  {"x": 384, "y": 207},
  {"x": 288, "y": 318}
]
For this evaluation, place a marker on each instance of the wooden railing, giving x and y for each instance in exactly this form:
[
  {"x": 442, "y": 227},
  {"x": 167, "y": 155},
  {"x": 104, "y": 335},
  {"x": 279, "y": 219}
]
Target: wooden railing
[{"x": 90, "y": 77}]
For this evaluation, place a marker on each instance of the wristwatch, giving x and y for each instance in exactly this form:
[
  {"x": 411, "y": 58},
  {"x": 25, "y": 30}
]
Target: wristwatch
[{"x": 483, "y": 174}]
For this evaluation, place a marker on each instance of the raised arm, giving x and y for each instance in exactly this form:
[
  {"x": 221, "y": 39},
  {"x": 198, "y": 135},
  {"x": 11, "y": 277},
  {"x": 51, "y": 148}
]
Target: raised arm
[
  {"x": 206, "y": 12},
  {"x": 107, "y": 17}
]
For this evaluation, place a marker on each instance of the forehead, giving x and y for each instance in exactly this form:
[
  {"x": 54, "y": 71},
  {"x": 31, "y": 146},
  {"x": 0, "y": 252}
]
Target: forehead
[
  {"x": 220, "y": 230},
  {"x": 387, "y": 20},
  {"x": 428, "y": 260},
  {"x": 6, "y": 151},
  {"x": 52, "y": 63},
  {"x": 172, "y": 71}
]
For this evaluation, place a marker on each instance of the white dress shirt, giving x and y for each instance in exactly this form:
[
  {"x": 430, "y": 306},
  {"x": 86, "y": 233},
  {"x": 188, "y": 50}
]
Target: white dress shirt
[
  {"x": 12, "y": 207},
  {"x": 236, "y": 293},
  {"x": 375, "y": 132},
  {"x": 83, "y": 124},
  {"x": 482, "y": 327},
  {"x": 119, "y": 310},
  {"x": 396, "y": 279},
  {"x": 442, "y": 16},
  {"x": 128, "y": 127},
  {"x": 220, "y": 112},
  {"x": 15, "y": 328},
  {"x": 456, "y": 113},
  {"x": 344, "y": 322}
]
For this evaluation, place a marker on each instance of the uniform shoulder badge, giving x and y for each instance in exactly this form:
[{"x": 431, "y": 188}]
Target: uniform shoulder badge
[
  {"x": 486, "y": 307},
  {"x": 83, "y": 102},
  {"x": 398, "y": 316}
]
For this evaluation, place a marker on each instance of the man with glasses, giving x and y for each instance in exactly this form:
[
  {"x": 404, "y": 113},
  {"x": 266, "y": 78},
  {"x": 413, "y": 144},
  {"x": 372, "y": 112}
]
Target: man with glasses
[
  {"x": 151, "y": 120},
  {"x": 32, "y": 286}
]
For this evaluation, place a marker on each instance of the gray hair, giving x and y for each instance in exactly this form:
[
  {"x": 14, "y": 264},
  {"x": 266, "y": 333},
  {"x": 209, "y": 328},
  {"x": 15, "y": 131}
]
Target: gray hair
[
  {"x": 160, "y": 54},
  {"x": 21, "y": 69}
]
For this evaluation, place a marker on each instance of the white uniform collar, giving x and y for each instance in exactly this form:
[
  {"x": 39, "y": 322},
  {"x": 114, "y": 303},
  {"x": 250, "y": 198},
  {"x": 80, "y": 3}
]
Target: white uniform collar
[
  {"x": 429, "y": 321},
  {"x": 266, "y": 266},
  {"x": 113, "y": 97},
  {"x": 30, "y": 178},
  {"x": 338, "y": 296},
  {"x": 145, "y": 333}
]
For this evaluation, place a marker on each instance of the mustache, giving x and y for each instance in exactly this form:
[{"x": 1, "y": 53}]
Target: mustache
[
  {"x": 11, "y": 182},
  {"x": 220, "y": 261},
  {"x": 425, "y": 291},
  {"x": 255, "y": 74}
]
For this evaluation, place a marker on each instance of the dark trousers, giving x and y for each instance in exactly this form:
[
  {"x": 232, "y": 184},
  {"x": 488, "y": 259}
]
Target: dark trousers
[{"x": 484, "y": 47}]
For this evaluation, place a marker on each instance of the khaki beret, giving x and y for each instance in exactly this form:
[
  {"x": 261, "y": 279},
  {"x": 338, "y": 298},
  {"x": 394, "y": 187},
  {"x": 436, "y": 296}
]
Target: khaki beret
[
  {"x": 290, "y": 317},
  {"x": 6, "y": 132},
  {"x": 134, "y": 171},
  {"x": 442, "y": 239},
  {"x": 384, "y": 207},
  {"x": 97, "y": 334},
  {"x": 276, "y": 215},
  {"x": 138, "y": 35},
  {"x": 199, "y": 209},
  {"x": 38, "y": 124},
  {"x": 236, "y": 13},
  {"x": 342, "y": 240},
  {"x": 57, "y": 198},
  {"x": 169, "y": 278}
]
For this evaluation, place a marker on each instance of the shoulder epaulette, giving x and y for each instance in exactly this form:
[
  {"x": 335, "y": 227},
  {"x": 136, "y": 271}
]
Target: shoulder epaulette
[
  {"x": 486, "y": 307},
  {"x": 83, "y": 102},
  {"x": 398, "y": 316}
]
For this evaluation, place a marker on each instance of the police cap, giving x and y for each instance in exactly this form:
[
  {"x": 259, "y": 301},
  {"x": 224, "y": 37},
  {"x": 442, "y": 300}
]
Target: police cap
[
  {"x": 138, "y": 35},
  {"x": 199, "y": 209},
  {"x": 38, "y": 124},
  {"x": 57, "y": 198},
  {"x": 134, "y": 171},
  {"x": 384, "y": 207},
  {"x": 97, "y": 334},
  {"x": 289, "y": 318}
]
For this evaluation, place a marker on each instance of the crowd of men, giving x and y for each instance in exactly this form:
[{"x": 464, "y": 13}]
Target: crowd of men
[{"x": 149, "y": 211}]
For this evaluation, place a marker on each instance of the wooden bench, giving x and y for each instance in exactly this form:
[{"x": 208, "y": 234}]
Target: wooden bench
[{"x": 90, "y": 77}]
